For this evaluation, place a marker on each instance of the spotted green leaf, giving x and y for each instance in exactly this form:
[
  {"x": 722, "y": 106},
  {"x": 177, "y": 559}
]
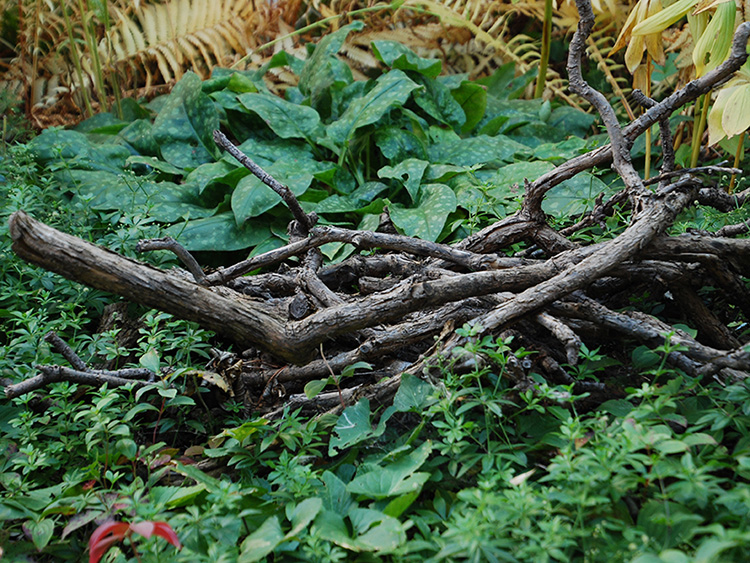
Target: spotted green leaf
[
  {"x": 321, "y": 71},
  {"x": 391, "y": 89},
  {"x": 166, "y": 201},
  {"x": 183, "y": 129},
  {"x": 409, "y": 172},
  {"x": 219, "y": 232},
  {"x": 252, "y": 197},
  {"x": 426, "y": 220},
  {"x": 482, "y": 149},
  {"x": 438, "y": 101},
  {"x": 355, "y": 201},
  {"x": 286, "y": 119},
  {"x": 77, "y": 150},
  {"x": 396, "y": 144},
  {"x": 396, "y": 55},
  {"x": 575, "y": 196}
]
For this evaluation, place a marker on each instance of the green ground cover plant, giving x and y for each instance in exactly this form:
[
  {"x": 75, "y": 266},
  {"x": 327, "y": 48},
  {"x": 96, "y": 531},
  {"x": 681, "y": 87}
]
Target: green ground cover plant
[{"x": 465, "y": 467}]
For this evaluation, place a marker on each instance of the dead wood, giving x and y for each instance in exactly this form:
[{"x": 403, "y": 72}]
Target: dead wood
[{"x": 398, "y": 308}]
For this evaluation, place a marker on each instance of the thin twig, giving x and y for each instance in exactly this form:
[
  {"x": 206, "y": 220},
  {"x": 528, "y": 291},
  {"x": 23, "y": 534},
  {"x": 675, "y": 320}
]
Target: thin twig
[
  {"x": 305, "y": 221},
  {"x": 168, "y": 243},
  {"x": 67, "y": 352},
  {"x": 54, "y": 374}
]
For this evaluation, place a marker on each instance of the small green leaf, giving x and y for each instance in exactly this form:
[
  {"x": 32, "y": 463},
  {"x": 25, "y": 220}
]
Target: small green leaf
[
  {"x": 314, "y": 387},
  {"x": 41, "y": 532},
  {"x": 150, "y": 360}
]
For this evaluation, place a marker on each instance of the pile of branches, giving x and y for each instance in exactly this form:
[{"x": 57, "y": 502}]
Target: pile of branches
[{"x": 397, "y": 308}]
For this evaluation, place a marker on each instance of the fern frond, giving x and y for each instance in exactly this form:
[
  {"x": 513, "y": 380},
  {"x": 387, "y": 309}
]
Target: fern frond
[{"x": 180, "y": 34}]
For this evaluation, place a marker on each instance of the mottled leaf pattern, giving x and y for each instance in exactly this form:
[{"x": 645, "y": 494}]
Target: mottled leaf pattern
[
  {"x": 390, "y": 90},
  {"x": 409, "y": 172},
  {"x": 426, "y": 221},
  {"x": 183, "y": 129},
  {"x": 396, "y": 55},
  {"x": 286, "y": 119}
]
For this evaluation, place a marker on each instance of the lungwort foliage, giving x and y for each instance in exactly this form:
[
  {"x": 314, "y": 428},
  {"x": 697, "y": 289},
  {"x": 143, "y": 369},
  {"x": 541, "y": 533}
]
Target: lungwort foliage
[{"x": 431, "y": 149}]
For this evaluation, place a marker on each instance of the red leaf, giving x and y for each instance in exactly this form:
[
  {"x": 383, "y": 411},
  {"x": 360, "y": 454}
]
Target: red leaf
[
  {"x": 103, "y": 538},
  {"x": 101, "y": 541},
  {"x": 162, "y": 529},
  {"x": 165, "y": 531}
]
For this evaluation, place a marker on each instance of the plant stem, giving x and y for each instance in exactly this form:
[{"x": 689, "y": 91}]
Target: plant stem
[
  {"x": 376, "y": 8},
  {"x": 647, "y": 166},
  {"x": 77, "y": 63},
  {"x": 698, "y": 128},
  {"x": 541, "y": 78},
  {"x": 737, "y": 157}
]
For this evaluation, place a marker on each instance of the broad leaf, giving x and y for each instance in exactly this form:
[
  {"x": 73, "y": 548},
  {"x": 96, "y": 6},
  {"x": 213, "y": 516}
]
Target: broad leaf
[
  {"x": 412, "y": 394},
  {"x": 391, "y": 89},
  {"x": 473, "y": 100},
  {"x": 219, "y": 232},
  {"x": 262, "y": 541},
  {"x": 353, "y": 426},
  {"x": 252, "y": 197},
  {"x": 166, "y": 201},
  {"x": 286, "y": 119},
  {"x": 426, "y": 221},
  {"x": 439, "y": 103},
  {"x": 482, "y": 149},
  {"x": 397, "y": 478},
  {"x": 335, "y": 496},
  {"x": 302, "y": 514},
  {"x": 378, "y": 531},
  {"x": 321, "y": 71},
  {"x": 396, "y": 55},
  {"x": 396, "y": 144},
  {"x": 184, "y": 127},
  {"x": 409, "y": 172}
]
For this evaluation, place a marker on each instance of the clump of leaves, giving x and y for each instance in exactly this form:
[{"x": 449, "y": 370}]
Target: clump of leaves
[{"x": 432, "y": 149}]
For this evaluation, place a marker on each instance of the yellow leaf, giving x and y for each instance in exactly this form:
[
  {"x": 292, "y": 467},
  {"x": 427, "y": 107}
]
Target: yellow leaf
[
  {"x": 713, "y": 45},
  {"x": 715, "y": 130},
  {"x": 704, "y": 5},
  {"x": 624, "y": 37},
  {"x": 736, "y": 117},
  {"x": 665, "y": 18},
  {"x": 634, "y": 53}
]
